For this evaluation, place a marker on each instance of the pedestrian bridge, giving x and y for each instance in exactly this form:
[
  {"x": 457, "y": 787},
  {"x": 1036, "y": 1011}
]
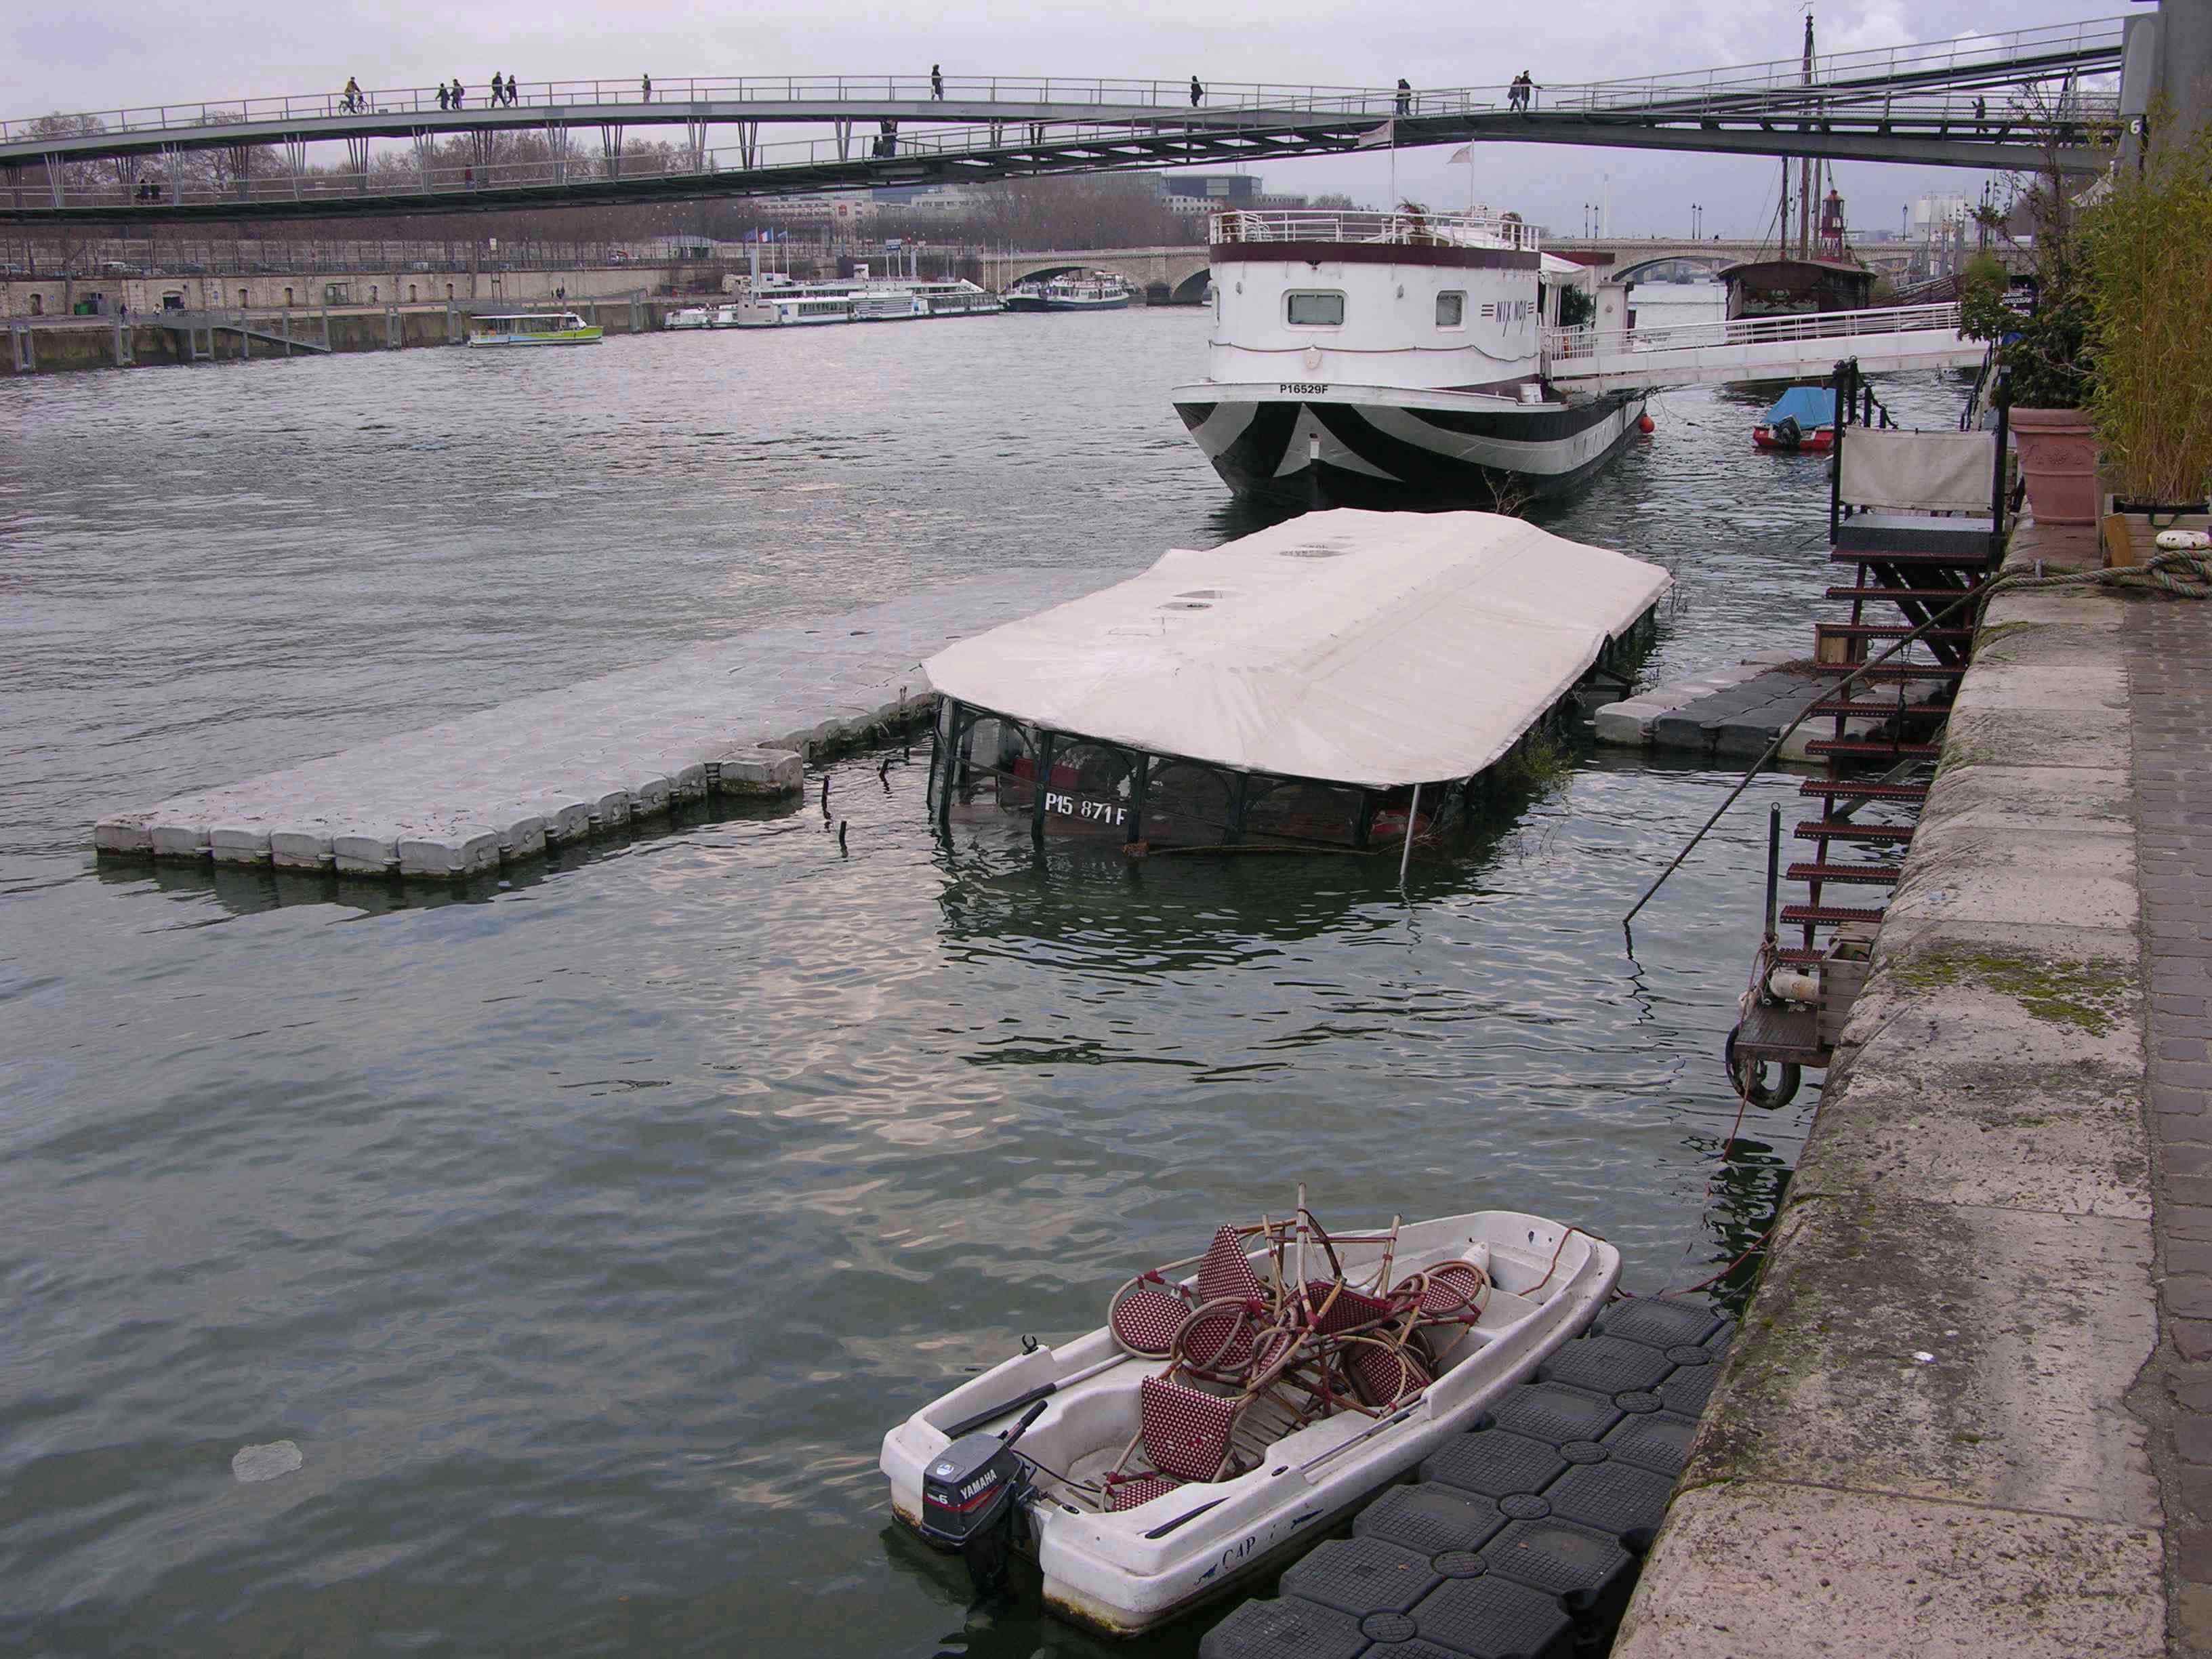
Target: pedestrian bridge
[
  {"x": 1759, "y": 348},
  {"x": 254, "y": 158}
]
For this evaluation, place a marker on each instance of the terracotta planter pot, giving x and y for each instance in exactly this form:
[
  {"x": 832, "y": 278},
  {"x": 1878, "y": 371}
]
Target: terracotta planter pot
[{"x": 2058, "y": 462}]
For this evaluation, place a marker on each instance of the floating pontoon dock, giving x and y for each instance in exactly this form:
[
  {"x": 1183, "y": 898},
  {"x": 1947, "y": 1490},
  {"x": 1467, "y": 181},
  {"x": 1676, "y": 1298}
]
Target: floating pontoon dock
[
  {"x": 501, "y": 784},
  {"x": 1336, "y": 680}
]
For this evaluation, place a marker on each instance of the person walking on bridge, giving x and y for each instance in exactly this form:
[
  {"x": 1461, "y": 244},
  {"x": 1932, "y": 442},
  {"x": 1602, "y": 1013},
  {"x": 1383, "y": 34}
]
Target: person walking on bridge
[
  {"x": 445, "y": 97},
  {"x": 513, "y": 92},
  {"x": 460, "y": 92},
  {"x": 1197, "y": 93},
  {"x": 498, "y": 90},
  {"x": 1404, "y": 96},
  {"x": 937, "y": 82},
  {"x": 645, "y": 87}
]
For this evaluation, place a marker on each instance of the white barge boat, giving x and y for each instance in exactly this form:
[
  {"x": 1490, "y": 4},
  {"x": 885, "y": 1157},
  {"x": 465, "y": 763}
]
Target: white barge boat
[
  {"x": 1343, "y": 680},
  {"x": 777, "y": 303},
  {"x": 1219, "y": 1423},
  {"x": 1391, "y": 359}
]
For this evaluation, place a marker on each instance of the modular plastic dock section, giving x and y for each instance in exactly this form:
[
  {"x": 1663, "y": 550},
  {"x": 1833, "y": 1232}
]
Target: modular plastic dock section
[{"x": 1523, "y": 1538}]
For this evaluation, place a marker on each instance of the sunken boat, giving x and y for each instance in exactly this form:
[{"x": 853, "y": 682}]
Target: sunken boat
[{"x": 1344, "y": 680}]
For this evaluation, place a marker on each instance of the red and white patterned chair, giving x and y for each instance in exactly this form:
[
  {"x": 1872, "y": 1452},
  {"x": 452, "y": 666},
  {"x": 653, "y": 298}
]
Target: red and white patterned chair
[{"x": 1183, "y": 1435}]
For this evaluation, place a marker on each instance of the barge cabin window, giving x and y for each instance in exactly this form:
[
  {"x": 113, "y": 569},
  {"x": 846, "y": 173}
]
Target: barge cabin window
[
  {"x": 1306, "y": 308},
  {"x": 1451, "y": 309}
]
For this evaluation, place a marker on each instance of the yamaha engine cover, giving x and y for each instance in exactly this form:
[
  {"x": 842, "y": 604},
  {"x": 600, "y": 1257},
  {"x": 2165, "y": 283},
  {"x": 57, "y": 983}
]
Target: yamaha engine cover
[{"x": 970, "y": 1495}]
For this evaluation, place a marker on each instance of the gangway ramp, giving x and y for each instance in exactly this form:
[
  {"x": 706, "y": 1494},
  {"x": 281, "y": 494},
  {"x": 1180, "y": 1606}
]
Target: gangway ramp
[{"x": 1759, "y": 348}]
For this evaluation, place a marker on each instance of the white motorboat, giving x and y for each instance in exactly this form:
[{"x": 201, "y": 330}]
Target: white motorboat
[
  {"x": 1302, "y": 1371},
  {"x": 1390, "y": 360},
  {"x": 691, "y": 317},
  {"x": 533, "y": 328}
]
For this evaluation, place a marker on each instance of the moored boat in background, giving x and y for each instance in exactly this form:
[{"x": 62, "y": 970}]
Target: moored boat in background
[
  {"x": 1803, "y": 418},
  {"x": 533, "y": 328},
  {"x": 1392, "y": 360}
]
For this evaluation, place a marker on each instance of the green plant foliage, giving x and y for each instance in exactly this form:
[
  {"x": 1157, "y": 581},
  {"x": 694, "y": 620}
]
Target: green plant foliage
[
  {"x": 2048, "y": 360},
  {"x": 2146, "y": 271},
  {"x": 1577, "y": 309}
]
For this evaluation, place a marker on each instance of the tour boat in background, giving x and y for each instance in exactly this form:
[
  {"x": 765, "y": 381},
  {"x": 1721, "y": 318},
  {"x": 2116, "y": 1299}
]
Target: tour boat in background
[
  {"x": 1085, "y": 292},
  {"x": 780, "y": 303},
  {"x": 1392, "y": 359},
  {"x": 691, "y": 317},
  {"x": 533, "y": 328}
]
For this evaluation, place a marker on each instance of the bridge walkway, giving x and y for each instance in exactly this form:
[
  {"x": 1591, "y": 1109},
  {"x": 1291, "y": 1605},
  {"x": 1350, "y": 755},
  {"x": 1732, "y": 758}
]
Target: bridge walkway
[{"x": 1759, "y": 348}]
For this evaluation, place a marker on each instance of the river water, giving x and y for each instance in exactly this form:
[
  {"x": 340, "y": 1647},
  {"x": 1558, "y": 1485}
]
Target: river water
[{"x": 585, "y": 1236}]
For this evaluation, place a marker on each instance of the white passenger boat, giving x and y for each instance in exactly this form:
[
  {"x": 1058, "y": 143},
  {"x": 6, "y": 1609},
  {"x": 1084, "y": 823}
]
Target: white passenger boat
[
  {"x": 796, "y": 305},
  {"x": 1391, "y": 359},
  {"x": 1085, "y": 292},
  {"x": 1345, "y": 680},
  {"x": 534, "y": 328},
  {"x": 691, "y": 317},
  {"x": 726, "y": 316},
  {"x": 1220, "y": 1423}
]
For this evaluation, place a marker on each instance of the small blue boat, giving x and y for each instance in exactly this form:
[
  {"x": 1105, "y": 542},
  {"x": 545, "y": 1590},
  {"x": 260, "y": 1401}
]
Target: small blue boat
[{"x": 1803, "y": 419}]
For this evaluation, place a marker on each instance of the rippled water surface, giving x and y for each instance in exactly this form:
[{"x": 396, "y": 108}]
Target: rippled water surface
[{"x": 585, "y": 1236}]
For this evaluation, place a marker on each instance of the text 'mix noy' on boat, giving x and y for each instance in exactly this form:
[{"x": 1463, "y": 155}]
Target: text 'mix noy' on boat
[
  {"x": 1376, "y": 359},
  {"x": 1342, "y": 680}
]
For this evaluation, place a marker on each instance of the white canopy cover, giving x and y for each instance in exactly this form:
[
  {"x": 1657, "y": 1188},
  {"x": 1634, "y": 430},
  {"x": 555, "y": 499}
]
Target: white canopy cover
[{"x": 1374, "y": 648}]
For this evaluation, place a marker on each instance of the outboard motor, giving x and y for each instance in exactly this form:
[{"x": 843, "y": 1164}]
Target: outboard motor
[
  {"x": 1788, "y": 434},
  {"x": 971, "y": 1500}
]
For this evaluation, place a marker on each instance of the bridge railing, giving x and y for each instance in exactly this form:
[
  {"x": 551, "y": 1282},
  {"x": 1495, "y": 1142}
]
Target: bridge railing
[
  {"x": 1566, "y": 345},
  {"x": 1468, "y": 229},
  {"x": 1966, "y": 55},
  {"x": 1993, "y": 57}
]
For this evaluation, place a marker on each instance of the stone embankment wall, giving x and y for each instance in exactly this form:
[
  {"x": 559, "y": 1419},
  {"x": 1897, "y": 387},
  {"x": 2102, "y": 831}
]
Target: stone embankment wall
[
  {"x": 1927, "y": 1438},
  {"x": 21, "y": 298},
  {"x": 78, "y": 343}
]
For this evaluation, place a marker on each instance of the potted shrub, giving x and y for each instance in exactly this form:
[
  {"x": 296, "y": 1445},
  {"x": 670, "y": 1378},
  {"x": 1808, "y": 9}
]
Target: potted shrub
[
  {"x": 2146, "y": 271},
  {"x": 2046, "y": 387}
]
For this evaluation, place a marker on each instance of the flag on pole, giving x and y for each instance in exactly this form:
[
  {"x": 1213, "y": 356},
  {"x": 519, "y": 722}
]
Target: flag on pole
[
  {"x": 1385, "y": 134},
  {"x": 1464, "y": 152}
]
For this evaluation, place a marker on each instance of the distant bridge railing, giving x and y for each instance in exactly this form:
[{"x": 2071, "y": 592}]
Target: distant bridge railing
[
  {"x": 1989, "y": 59},
  {"x": 1566, "y": 345}
]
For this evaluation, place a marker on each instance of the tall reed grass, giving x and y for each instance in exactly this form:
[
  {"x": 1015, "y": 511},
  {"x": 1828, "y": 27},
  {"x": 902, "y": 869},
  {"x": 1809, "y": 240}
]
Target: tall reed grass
[{"x": 2146, "y": 272}]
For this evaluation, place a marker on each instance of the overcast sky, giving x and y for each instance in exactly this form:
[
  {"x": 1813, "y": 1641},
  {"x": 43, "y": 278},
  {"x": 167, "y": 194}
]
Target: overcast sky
[{"x": 76, "y": 57}]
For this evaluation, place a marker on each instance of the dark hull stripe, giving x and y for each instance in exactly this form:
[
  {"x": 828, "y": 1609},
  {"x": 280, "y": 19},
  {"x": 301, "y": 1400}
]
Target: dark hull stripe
[{"x": 1252, "y": 463}]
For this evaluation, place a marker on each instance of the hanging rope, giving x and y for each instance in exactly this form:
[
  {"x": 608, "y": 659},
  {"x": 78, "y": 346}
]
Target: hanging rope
[{"x": 2182, "y": 573}]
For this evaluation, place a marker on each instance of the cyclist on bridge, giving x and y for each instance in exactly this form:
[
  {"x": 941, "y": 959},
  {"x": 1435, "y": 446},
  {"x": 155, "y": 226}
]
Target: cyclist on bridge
[{"x": 352, "y": 97}]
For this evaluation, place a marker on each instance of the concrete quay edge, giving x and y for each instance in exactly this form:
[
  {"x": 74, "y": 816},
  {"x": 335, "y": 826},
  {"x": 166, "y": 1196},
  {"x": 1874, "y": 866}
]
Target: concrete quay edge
[{"x": 1927, "y": 1437}]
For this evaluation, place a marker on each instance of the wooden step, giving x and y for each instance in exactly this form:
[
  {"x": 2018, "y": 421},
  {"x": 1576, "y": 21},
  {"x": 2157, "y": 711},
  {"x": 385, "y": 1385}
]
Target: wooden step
[
  {"x": 1825, "y": 915},
  {"x": 1800, "y": 956},
  {"x": 1852, "y": 709},
  {"x": 1868, "y": 875},
  {"x": 1892, "y": 631},
  {"x": 1923, "y": 595},
  {"x": 1911, "y": 671},
  {"x": 1910, "y": 560},
  {"x": 1844, "y": 829},
  {"x": 1862, "y": 789},
  {"x": 1873, "y": 749}
]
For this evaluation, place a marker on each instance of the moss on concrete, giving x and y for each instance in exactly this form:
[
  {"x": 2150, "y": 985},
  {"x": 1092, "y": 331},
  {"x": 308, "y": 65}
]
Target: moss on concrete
[
  {"x": 2087, "y": 995},
  {"x": 1995, "y": 639}
]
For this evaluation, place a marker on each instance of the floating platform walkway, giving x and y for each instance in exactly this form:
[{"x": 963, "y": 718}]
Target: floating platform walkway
[
  {"x": 740, "y": 716},
  {"x": 1524, "y": 1537}
]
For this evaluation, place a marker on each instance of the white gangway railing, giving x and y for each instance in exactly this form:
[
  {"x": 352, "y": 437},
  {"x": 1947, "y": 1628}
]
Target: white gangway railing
[{"x": 1568, "y": 345}]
